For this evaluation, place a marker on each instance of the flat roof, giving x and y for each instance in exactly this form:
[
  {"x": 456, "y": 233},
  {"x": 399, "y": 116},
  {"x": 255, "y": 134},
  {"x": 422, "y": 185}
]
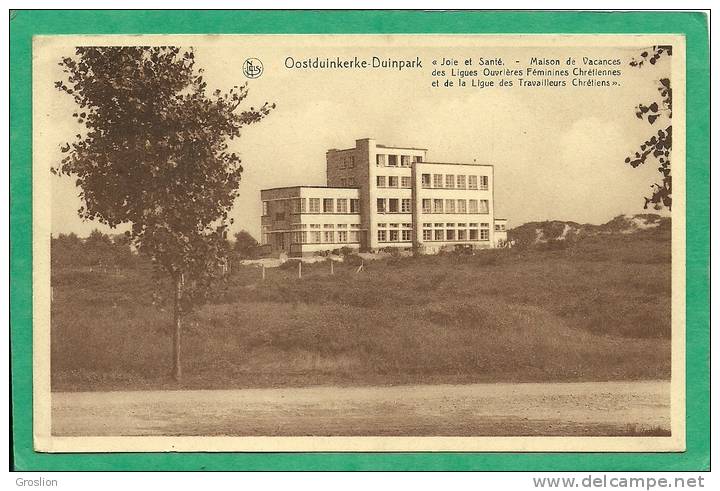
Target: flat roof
[
  {"x": 399, "y": 148},
  {"x": 378, "y": 145},
  {"x": 457, "y": 163},
  {"x": 311, "y": 187}
]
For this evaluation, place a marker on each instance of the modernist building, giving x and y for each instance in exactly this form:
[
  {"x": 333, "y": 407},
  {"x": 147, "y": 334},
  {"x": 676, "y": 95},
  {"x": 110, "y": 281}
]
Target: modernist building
[{"x": 379, "y": 196}]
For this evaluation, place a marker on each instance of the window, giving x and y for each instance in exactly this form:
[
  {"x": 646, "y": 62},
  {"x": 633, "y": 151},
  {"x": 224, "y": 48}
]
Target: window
[
  {"x": 354, "y": 206},
  {"x": 342, "y": 164},
  {"x": 343, "y": 182},
  {"x": 484, "y": 234},
  {"x": 472, "y": 206},
  {"x": 303, "y": 205},
  {"x": 314, "y": 237},
  {"x": 314, "y": 205},
  {"x": 472, "y": 182},
  {"x": 437, "y": 180},
  {"x": 405, "y": 182},
  {"x": 381, "y": 181},
  {"x": 328, "y": 205},
  {"x": 299, "y": 237},
  {"x": 500, "y": 227},
  {"x": 405, "y": 161},
  {"x": 265, "y": 208},
  {"x": 295, "y": 205},
  {"x": 381, "y": 205},
  {"x": 484, "y": 207},
  {"x": 394, "y": 235},
  {"x": 427, "y": 234},
  {"x": 393, "y": 205},
  {"x": 393, "y": 181},
  {"x": 382, "y": 235},
  {"x": 342, "y": 205},
  {"x": 450, "y": 181},
  {"x": 426, "y": 180},
  {"x": 426, "y": 206},
  {"x": 461, "y": 234},
  {"x": 354, "y": 236},
  {"x": 460, "y": 182},
  {"x": 473, "y": 231},
  {"x": 392, "y": 160},
  {"x": 351, "y": 162},
  {"x": 450, "y": 233},
  {"x": 329, "y": 236},
  {"x": 484, "y": 183},
  {"x": 449, "y": 206},
  {"x": 406, "y": 235},
  {"x": 417, "y": 158},
  {"x": 438, "y": 234},
  {"x": 438, "y": 205},
  {"x": 342, "y": 236},
  {"x": 351, "y": 182},
  {"x": 265, "y": 235},
  {"x": 405, "y": 205},
  {"x": 380, "y": 160},
  {"x": 461, "y": 206}
]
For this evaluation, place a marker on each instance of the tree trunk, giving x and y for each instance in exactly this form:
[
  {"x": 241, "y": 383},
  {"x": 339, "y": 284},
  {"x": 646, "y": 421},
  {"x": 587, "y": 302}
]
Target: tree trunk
[{"x": 177, "y": 317}]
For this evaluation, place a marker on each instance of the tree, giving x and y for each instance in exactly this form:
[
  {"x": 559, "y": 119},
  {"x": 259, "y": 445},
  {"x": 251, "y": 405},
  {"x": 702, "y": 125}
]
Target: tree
[
  {"x": 658, "y": 146},
  {"x": 155, "y": 155},
  {"x": 245, "y": 244}
]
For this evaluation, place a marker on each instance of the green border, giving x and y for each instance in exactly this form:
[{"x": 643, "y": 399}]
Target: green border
[{"x": 26, "y": 23}]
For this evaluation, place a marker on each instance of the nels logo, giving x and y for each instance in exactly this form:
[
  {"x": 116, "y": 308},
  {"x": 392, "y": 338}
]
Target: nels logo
[{"x": 252, "y": 68}]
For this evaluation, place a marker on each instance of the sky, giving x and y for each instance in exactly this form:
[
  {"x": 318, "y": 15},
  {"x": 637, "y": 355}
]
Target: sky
[{"x": 558, "y": 153}]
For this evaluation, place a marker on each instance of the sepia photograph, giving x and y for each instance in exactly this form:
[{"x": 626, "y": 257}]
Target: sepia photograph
[{"x": 359, "y": 243}]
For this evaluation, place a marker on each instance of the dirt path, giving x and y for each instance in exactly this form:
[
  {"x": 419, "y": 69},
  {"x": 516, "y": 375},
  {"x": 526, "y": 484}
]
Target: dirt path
[{"x": 596, "y": 408}]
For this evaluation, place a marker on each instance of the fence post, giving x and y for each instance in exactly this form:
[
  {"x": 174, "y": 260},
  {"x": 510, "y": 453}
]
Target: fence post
[
  {"x": 263, "y": 272},
  {"x": 299, "y": 269},
  {"x": 332, "y": 267}
]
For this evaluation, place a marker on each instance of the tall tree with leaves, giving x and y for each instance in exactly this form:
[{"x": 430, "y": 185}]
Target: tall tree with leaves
[
  {"x": 155, "y": 155},
  {"x": 659, "y": 145}
]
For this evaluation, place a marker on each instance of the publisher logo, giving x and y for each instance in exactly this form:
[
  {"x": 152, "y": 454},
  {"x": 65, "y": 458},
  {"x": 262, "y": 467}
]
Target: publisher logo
[{"x": 252, "y": 68}]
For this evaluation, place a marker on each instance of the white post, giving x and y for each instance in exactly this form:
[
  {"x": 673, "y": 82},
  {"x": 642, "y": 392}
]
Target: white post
[
  {"x": 299, "y": 269},
  {"x": 263, "y": 272},
  {"x": 332, "y": 267}
]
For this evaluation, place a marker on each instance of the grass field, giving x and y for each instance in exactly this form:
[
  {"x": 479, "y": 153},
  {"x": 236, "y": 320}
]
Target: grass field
[{"x": 596, "y": 310}]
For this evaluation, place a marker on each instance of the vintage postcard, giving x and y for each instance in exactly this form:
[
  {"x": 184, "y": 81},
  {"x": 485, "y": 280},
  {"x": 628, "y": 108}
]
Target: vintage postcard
[{"x": 398, "y": 243}]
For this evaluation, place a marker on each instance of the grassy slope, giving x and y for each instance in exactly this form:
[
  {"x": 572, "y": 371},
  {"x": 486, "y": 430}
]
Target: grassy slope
[{"x": 599, "y": 310}]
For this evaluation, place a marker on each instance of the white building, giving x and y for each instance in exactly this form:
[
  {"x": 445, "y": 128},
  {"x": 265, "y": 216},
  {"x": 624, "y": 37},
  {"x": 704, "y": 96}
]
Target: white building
[{"x": 379, "y": 196}]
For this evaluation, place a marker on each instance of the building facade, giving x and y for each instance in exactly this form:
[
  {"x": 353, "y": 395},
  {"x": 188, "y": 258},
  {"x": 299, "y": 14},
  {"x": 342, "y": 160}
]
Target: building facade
[{"x": 379, "y": 196}]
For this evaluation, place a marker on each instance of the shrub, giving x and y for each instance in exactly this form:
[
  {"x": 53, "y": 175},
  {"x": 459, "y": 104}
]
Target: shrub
[
  {"x": 346, "y": 251},
  {"x": 353, "y": 260}
]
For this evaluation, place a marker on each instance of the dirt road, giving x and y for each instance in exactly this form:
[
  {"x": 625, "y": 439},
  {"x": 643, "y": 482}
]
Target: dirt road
[{"x": 596, "y": 408}]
